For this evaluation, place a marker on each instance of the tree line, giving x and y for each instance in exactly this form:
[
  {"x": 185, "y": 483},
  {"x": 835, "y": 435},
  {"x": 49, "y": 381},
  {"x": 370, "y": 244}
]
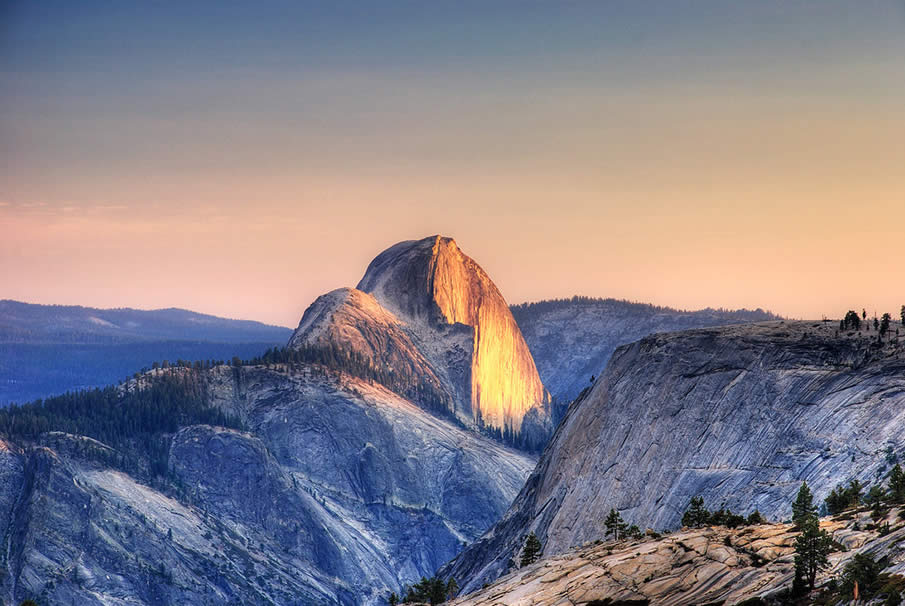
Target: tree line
[{"x": 136, "y": 422}]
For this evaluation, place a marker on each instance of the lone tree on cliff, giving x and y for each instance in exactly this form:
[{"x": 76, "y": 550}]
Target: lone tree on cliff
[
  {"x": 884, "y": 323},
  {"x": 532, "y": 549},
  {"x": 851, "y": 321}
]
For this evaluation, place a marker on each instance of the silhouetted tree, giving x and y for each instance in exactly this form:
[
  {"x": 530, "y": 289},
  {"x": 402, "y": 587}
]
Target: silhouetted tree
[
  {"x": 851, "y": 321},
  {"x": 884, "y": 323}
]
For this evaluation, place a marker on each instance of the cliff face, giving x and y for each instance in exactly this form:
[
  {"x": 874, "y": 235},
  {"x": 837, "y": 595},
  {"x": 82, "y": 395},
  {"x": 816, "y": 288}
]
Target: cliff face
[
  {"x": 339, "y": 492},
  {"x": 439, "y": 291},
  {"x": 572, "y": 340},
  {"x": 738, "y": 415}
]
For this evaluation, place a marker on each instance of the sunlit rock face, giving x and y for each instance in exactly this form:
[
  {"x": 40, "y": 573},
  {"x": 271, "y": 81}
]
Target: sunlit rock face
[
  {"x": 350, "y": 323},
  {"x": 739, "y": 415},
  {"x": 450, "y": 304}
]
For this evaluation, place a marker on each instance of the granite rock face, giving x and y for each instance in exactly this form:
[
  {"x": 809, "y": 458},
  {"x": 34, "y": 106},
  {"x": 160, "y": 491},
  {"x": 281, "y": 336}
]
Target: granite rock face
[
  {"x": 739, "y": 415},
  {"x": 431, "y": 321},
  {"x": 572, "y": 340},
  {"x": 361, "y": 467},
  {"x": 694, "y": 566},
  {"x": 340, "y": 492}
]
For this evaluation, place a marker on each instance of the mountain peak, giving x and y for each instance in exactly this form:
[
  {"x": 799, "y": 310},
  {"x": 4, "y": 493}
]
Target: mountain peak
[{"x": 438, "y": 290}]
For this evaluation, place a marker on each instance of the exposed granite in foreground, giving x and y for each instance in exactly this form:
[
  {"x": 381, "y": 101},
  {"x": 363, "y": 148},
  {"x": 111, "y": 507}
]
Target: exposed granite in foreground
[{"x": 705, "y": 566}]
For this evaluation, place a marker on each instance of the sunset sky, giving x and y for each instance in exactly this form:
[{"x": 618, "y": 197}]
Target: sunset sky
[{"x": 242, "y": 158}]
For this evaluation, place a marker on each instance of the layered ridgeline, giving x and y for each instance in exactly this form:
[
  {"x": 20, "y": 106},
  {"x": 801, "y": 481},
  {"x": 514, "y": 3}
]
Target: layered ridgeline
[
  {"x": 572, "y": 340},
  {"x": 429, "y": 323},
  {"x": 739, "y": 415},
  {"x": 333, "y": 471},
  {"x": 50, "y": 349}
]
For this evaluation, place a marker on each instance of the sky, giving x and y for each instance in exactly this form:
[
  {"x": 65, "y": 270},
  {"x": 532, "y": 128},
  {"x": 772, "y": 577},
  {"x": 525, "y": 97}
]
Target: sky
[{"x": 242, "y": 158}]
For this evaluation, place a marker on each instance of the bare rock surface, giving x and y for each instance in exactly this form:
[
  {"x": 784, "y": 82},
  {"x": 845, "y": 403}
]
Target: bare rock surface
[
  {"x": 693, "y": 566},
  {"x": 340, "y": 492},
  {"x": 739, "y": 415}
]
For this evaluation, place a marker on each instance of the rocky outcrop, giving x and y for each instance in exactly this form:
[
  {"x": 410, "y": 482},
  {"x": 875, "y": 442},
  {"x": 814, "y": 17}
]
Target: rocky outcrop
[
  {"x": 436, "y": 329},
  {"x": 739, "y": 415},
  {"x": 572, "y": 340},
  {"x": 704, "y": 566}
]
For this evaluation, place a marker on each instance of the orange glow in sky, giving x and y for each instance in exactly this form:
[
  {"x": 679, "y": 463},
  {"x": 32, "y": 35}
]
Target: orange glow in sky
[{"x": 741, "y": 158}]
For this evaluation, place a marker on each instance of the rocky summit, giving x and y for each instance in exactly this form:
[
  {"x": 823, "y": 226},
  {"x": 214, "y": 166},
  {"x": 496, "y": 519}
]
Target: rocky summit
[
  {"x": 428, "y": 322},
  {"x": 738, "y": 415}
]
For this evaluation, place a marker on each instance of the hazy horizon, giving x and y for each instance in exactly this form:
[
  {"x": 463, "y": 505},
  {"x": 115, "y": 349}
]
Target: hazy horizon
[{"x": 240, "y": 161}]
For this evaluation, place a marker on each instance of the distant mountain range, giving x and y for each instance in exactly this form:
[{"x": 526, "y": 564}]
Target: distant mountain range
[
  {"x": 32, "y": 323},
  {"x": 50, "y": 349}
]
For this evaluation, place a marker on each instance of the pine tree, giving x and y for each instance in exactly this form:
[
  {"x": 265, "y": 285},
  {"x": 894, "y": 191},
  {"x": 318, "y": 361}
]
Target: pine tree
[
  {"x": 897, "y": 484},
  {"x": 803, "y": 507},
  {"x": 696, "y": 515},
  {"x": 755, "y": 518},
  {"x": 884, "y": 323},
  {"x": 393, "y": 599},
  {"x": 615, "y": 524},
  {"x": 812, "y": 547},
  {"x": 452, "y": 589},
  {"x": 874, "y": 499},
  {"x": 532, "y": 550}
]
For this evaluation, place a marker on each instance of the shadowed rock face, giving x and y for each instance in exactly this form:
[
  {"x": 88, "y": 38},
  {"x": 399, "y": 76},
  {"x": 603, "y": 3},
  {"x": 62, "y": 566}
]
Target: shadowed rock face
[
  {"x": 739, "y": 415},
  {"x": 339, "y": 493},
  {"x": 434, "y": 287}
]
